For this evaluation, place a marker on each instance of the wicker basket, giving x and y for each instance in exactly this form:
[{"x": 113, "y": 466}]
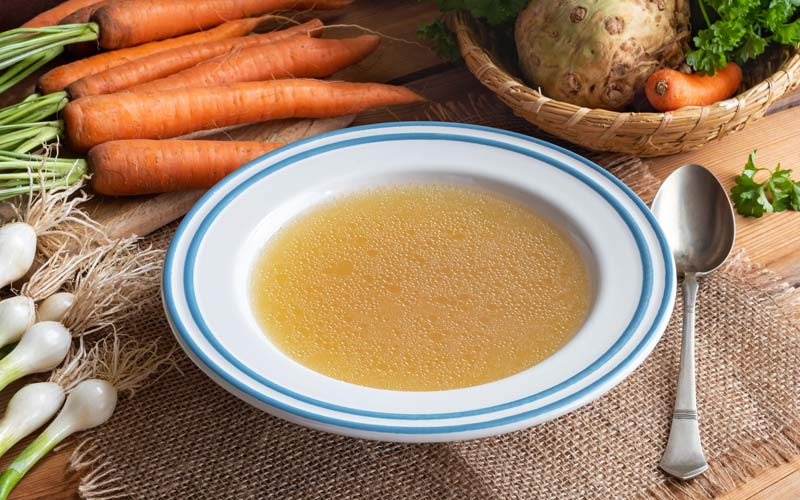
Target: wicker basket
[{"x": 642, "y": 134}]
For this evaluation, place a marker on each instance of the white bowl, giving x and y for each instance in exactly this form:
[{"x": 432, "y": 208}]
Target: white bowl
[{"x": 208, "y": 267}]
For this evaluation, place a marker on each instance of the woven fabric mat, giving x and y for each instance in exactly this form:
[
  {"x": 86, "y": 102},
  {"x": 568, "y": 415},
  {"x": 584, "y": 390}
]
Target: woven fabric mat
[{"x": 185, "y": 437}]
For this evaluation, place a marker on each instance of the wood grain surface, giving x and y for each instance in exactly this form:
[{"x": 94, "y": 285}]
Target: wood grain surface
[{"x": 773, "y": 240}]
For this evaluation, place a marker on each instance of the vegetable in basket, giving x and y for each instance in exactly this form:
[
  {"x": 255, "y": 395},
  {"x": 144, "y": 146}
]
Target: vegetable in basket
[
  {"x": 600, "y": 53},
  {"x": 668, "y": 89},
  {"x": 593, "y": 53}
]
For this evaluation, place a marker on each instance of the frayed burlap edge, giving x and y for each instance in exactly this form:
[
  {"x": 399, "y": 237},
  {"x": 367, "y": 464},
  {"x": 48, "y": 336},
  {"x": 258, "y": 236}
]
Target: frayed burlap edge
[{"x": 746, "y": 461}]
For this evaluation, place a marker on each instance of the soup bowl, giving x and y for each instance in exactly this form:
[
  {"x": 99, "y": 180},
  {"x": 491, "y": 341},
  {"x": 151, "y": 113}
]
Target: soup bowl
[{"x": 206, "y": 283}]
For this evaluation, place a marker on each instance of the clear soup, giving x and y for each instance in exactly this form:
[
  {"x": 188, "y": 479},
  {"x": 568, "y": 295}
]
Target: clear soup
[{"x": 420, "y": 287}]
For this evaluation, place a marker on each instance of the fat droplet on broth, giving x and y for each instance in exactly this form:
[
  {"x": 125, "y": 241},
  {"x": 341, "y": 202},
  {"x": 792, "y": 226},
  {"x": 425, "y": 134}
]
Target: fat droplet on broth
[{"x": 420, "y": 287}]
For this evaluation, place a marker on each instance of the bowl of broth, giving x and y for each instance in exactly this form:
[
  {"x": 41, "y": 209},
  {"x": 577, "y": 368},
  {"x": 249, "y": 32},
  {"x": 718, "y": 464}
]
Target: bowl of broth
[{"x": 419, "y": 282}]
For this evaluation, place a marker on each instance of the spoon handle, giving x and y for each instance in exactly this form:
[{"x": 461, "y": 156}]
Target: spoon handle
[{"x": 683, "y": 457}]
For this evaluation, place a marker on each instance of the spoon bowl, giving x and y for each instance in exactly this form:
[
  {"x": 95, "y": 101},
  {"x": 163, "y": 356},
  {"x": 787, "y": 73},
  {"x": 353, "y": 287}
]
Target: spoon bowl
[{"x": 697, "y": 218}]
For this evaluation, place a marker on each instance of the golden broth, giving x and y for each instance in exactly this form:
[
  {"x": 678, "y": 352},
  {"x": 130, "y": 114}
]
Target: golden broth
[{"x": 420, "y": 287}]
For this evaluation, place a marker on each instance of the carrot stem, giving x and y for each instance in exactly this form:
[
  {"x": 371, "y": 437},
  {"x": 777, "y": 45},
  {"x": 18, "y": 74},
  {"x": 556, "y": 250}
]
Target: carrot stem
[
  {"x": 10, "y": 141},
  {"x": 22, "y": 173},
  {"x": 33, "y": 108},
  {"x": 21, "y": 44},
  {"x": 43, "y": 136},
  {"x": 22, "y": 69}
]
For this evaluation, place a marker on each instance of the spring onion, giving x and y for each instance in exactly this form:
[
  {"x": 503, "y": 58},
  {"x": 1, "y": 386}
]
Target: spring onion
[
  {"x": 55, "y": 307},
  {"x": 17, "y": 251},
  {"x": 42, "y": 348},
  {"x": 30, "y": 408},
  {"x": 16, "y": 316}
]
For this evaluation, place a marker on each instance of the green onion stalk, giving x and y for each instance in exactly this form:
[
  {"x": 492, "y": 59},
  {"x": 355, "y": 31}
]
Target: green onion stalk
[
  {"x": 23, "y": 127},
  {"x": 22, "y": 173},
  {"x": 24, "y": 50}
]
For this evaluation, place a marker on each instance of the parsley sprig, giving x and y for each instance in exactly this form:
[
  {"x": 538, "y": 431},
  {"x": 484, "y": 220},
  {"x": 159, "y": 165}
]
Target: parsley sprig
[
  {"x": 775, "y": 194},
  {"x": 742, "y": 31},
  {"x": 494, "y": 12}
]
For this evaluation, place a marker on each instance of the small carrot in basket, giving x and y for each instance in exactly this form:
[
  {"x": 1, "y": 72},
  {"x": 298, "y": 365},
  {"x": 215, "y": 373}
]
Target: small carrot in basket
[
  {"x": 167, "y": 62},
  {"x": 53, "y": 16},
  {"x": 59, "y": 78},
  {"x": 97, "y": 119},
  {"x": 294, "y": 58},
  {"x": 668, "y": 90},
  {"x": 136, "y": 167},
  {"x": 131, "y": 22}
]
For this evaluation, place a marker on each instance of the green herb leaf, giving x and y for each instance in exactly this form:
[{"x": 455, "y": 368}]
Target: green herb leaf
[
  {"x": 776, "y": 194},
  {"x": 494, "y": 12},
  {"x": 742, "y": 31},
  {"x": 444, "y": 41},
  {"x": 794, "y": 196},
  {"x": 749, "y": 197},
  {"x": 787, "y": 34},
  {"x": 752, "y": 46}
]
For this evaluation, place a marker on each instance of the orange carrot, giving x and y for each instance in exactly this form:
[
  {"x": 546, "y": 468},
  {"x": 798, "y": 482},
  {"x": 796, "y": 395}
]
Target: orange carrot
[
  {"x": 58, "y": 78},
  {"x": 97, "y": 119},
  {"x": 83, "y": 14},
  {"x": 136, "y": 167},
  {"x": 53, "y": 16},
  {"x": 294, "y": 58},
  {"x": 80, "y": 16},
  {"x": 131, "y": 22},
  {"x": 668, "y": 90},
  {"x": 166, "y": 63}
]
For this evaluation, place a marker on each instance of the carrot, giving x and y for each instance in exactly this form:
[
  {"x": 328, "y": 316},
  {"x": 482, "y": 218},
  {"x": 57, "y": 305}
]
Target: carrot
[
  {"x": 83, "y": 14},
  {"x": 165, "y": 63},
  {"x": 293, "y": 58},
  {"x": 668, "y": 90},
  {"x": 97, "y": 119},
  {"x": 136, "y": 167},
  {"x": 53, "y": 16},
  {"x": 131, "y": 22},
  {"x": 58, "y": 78}
]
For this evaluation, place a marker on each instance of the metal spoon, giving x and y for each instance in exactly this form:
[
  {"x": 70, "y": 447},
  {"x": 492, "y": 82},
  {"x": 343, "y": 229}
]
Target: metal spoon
[{"x": 696, "y": 215}]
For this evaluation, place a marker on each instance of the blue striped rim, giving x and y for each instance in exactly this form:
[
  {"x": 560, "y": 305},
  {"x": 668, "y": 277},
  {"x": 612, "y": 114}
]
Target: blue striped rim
[{"x": 646, "y": 293}]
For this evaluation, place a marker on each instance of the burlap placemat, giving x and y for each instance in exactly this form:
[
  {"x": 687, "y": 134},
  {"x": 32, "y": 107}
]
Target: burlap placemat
[{"x": 185, "y": 437}]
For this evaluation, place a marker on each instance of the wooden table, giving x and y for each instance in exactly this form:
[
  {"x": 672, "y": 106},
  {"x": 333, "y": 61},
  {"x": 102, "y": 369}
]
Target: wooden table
[{"x": 773, "y": 240}]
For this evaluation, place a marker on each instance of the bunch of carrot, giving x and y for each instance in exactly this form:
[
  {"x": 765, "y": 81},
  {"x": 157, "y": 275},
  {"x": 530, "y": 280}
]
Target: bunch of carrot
[{"x": 125, "y": 107}]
